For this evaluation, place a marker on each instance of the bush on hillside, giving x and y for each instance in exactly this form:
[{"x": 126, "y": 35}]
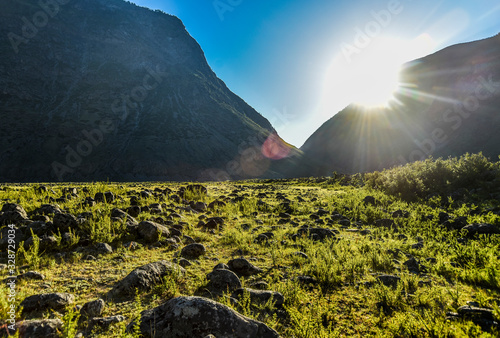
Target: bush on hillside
[{"x": 419, "y": 179}]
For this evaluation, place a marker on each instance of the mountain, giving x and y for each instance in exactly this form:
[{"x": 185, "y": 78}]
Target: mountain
[
  {"x": 104, "y": 89},
  {"x": 448, "y": 104}
]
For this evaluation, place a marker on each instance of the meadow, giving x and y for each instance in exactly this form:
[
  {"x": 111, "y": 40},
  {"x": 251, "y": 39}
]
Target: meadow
[{"x": 412, "y": 251}]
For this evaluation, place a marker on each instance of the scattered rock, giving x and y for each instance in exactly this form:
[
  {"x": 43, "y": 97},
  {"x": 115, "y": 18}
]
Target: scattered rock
[
  {"x": 389, "y": 280},
  {"x": 243, "y": 267},
  {"x": 222, "y": 280},
  {"x": 260, "y": 296},
  {"x": 31, "y": 275},
  {"x": 47, "y": 301},
  {"x": 386, "y": 223},
  {"x": 193, "y": 250},
  {"x": 198, "y": 317},
  {"x": 481, "y": 229},
  {"x": 48, "y": 209},
  {"x": 413, "y": 265},
  {"x": 103, "y": 323},
  {"x": 40, "y": 328},
  {"x": 145, "y": 277},
  {"x": 64, "y": 222},
  {"x": 316, "y": 233},
  {"x": 93, "y": 308},
  {"x": 152, "y": 231}
]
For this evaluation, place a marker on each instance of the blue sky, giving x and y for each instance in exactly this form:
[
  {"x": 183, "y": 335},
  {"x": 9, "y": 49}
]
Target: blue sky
[{"x": 299, "y": 62}]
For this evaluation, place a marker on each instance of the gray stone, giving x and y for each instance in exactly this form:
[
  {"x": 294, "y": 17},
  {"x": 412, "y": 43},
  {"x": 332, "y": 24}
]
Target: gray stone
[
  {"x": 194, "y": 250},
  {"x": 31, "y": 275},
  {"x": 122, "y": 214},
  {"x": 64, "y": 222},
  {"x": 40, "y": 328},
  {"x": 222, "y": 280},
  {"x": 243, "y": 267},
  {"x": 198, "y": 317},
  {"x": 260, "y": 296},
  {"x": 103, "y": 323},
  {"x": 389, "y": 280},
  {"x": 47, "y": 301},
  {"x": 48, "y": 209},
  {"x": 481, "y": 229},
  {"x": 93, "y": 308},
  {"x": 152, "y": 231},
  {"x": 145, "y": 277}
]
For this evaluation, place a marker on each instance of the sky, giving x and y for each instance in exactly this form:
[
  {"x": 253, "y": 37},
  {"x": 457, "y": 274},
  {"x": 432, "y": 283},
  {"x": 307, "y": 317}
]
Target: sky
[{"x": 300, "y": 62}]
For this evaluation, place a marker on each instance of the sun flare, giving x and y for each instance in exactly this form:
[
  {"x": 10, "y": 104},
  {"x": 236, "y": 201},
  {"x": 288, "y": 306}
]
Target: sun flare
[{"x": 371, "y": 77}]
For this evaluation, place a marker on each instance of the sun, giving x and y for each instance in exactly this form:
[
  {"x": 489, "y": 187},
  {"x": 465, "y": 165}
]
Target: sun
[{"x": 371, "y": 77}]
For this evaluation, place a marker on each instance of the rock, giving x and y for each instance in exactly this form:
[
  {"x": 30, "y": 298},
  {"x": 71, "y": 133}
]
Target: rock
[
  {"x": 48, "y": 209},
  {"x": 198, "y": 317},
  {"x": 316, "y": 233},
  {"x": 193, "y": 189},
  {"x": 122, "y": 214},
  {"x": 198, "y": 206},
  {"x": 243, "y": 267},
  {"x": 385, "y": 223},
  {"x": 400, "y": 213},
  {"x": 152, "y": 231},
  {"x": 216, "y": 205},
  {"x": 31, "y": 275},
  {"x": 261, "y": 296},
  {"x": 131, "y": 245},
  {"x": 413, "y": 265},
  {"x": 134, "y": 210},
  {"x": 481, "y": 229},
  {"x": 418, "y": 246},
  {"x": 145, "y": 277},
  {"x": 214, "y": 222},
  {"x": 370, "y": 200},
  {"x": 103, "y": 323},
  {"x": 443, "y": 217},
  {"x": 64, "y": 222},
  {"x": 107, "y": 197},
  {"x": 100, "y": 249},
  {"x": 389, "y": 280},
  {"x": 194, "y": 250},
  {"x": 472, "y": 311},
  {"x": 184, "y": 262},
  {"x": 93, "y": 308},
  {"x": 12, "y": 214},
  {"x": 222, "y": 280},
  {"x": 40, "y": 328},
  {"x": 47, "y": 301}
]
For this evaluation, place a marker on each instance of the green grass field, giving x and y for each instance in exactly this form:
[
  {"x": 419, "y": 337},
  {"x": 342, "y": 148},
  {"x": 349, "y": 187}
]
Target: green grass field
[{"x": 440, "y": 266}]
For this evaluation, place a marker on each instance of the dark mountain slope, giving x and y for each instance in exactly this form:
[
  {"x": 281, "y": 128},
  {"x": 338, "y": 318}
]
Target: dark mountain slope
[
  {"x": 95, "y": 90},
  {"x": 449, "y": 104}
]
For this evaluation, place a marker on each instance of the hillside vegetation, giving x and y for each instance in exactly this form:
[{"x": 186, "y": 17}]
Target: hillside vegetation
[{"x": 409, "y": 252}]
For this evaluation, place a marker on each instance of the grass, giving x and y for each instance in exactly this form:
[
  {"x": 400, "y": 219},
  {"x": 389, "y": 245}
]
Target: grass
[{"x": 346, "y": 299}]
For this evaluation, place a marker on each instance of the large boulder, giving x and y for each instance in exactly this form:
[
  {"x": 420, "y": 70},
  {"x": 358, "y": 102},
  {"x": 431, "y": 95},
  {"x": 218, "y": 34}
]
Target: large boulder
[
  {"x": 187, "y": 317},
  {"x": 152, "y": 231},
  {"x": 145, "y": 277}
]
